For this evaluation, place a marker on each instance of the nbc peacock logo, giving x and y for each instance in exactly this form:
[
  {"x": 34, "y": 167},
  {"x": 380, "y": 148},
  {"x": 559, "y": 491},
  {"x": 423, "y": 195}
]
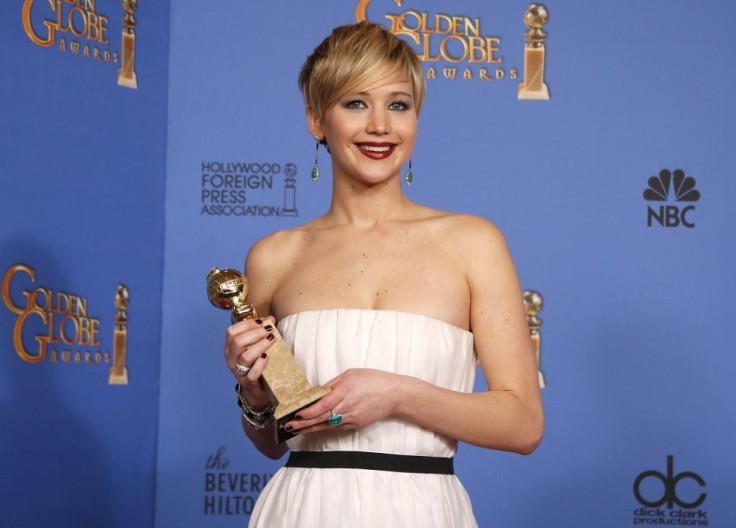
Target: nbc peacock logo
[{"x": 668, "y": 187}]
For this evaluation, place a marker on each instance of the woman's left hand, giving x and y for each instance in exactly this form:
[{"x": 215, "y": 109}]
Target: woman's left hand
[{"x": 360, "y": 396}]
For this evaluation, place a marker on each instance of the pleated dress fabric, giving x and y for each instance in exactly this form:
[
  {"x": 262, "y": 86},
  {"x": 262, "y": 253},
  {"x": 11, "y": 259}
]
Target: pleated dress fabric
[{"x": 325, "y": 344}]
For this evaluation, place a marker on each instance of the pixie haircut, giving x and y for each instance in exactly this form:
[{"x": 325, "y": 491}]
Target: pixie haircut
[{"x": 352, "y": 56}]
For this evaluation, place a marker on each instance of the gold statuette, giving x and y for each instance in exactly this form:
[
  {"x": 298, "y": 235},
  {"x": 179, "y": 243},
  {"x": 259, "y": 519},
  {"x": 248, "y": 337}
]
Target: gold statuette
[
  {"x": 119, "y": 372},
  {"x": 533, "y": 86},
  {"x": 126, "y": 73},
  {"x": 285, "y": 382},
  {"x": 533, "y": 305}
]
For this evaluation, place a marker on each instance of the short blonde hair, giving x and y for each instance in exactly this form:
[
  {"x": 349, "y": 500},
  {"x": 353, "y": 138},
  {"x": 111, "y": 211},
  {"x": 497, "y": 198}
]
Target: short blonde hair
[{"x": 352, "y": 56}]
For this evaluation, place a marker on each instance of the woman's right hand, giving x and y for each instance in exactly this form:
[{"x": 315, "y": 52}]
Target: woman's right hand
[{"x": 246, "y": 344}]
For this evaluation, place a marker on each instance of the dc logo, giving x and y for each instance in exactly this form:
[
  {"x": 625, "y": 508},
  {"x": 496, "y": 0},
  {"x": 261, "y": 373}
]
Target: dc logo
[
  {"x": 669, "y": 484},
  {"x": 671, "y": 185}
]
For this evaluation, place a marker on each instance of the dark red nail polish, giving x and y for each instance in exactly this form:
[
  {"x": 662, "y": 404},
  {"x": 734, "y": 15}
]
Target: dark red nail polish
[
  {"x": 259, "y": 321},
  {"x": 270, "y": 337},
  {"x": 288, "y": 428},
  {"x": 264, "y": 356},
  {"x": 298, "y": 416},
  {"x": 268, "y": 328}
]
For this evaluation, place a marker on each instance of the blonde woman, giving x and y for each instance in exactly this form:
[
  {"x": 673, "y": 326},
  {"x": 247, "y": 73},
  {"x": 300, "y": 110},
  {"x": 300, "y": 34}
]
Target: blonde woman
[{"x": 390, "y": 304}]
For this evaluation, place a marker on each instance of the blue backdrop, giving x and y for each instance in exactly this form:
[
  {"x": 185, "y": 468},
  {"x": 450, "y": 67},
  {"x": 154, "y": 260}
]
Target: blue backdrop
[
  {"x": 637, "y": 286},
  {"x": 82, "y": 187}
]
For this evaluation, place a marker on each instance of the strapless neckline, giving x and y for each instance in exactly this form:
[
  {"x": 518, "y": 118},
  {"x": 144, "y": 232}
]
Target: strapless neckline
[{"x": 378, "y": 311}]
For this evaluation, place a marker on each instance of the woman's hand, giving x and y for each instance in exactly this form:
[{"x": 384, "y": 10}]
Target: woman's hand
[
  {"x": 360, "y": 396},
  {"x": 246, "y": 345}
]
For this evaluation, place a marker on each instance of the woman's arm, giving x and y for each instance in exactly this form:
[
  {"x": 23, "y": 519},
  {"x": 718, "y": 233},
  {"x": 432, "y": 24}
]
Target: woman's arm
[
  {"x": 509, "y": 415},
  {"x": 247, "y": 342}
]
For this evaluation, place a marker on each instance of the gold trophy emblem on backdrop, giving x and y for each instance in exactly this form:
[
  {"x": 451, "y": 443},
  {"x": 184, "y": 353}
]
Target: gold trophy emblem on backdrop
[
  {"x": 126, "y": 73},
  {"x": 285, "y": 382},
  {"x": 532, "y": 306},
  {"x": 533, "y": 86},
  {"x": 119, "y": 371}
]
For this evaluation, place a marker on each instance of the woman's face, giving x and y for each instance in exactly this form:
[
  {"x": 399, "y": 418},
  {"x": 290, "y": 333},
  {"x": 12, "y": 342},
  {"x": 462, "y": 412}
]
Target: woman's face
[{"x": 371, "y": 132}]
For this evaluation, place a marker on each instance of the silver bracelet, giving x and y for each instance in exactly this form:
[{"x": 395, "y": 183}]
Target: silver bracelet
[{"x": 257, "y": 419}]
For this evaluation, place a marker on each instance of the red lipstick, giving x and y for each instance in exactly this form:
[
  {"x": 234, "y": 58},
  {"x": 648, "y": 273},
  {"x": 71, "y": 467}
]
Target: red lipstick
[{"x": 377, "y": 151}]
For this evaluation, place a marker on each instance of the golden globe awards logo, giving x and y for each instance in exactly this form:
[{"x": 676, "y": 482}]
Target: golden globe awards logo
[
  {"x": 72, "y": 26},
  {"x": 456, "y": 43},
  {"x": 76, "y": 27},
  {"x": 58, "y": 327}
]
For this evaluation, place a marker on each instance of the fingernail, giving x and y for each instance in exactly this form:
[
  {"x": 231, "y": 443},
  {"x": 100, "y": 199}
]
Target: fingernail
[
  {"x": 270, "y": 337},
  {"x": 268, "y": 328},
  {"x": 259, "y": 321},
  {"x": 288, "y": 428},
  {"x": 263, "y": 355},
  {"x": 298, "y": 417}
]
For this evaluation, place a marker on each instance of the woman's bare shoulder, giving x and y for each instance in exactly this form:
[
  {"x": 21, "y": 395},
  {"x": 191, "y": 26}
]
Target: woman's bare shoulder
[
  {"x": 270, "y": 260},
  {"x": 276, "y": 247},
  {"x": 466, "y": 229}
]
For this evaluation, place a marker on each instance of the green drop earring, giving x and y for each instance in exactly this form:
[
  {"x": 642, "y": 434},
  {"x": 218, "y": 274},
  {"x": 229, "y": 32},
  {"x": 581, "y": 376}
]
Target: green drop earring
[
  {"x": 315, "y": 168},
  {"x": 409, "y": 176}
]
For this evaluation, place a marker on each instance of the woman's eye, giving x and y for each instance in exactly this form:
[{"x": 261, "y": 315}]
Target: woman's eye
[
  {"x": 399, "y": 105},
  {"x": 355, "y": 104}
]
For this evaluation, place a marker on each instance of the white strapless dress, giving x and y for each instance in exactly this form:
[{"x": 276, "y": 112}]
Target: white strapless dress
[{"x": 328, "y": 342}]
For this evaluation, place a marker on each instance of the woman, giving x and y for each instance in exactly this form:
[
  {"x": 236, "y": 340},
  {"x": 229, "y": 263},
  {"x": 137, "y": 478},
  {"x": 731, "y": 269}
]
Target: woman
[{"x": 390, "y": 304}]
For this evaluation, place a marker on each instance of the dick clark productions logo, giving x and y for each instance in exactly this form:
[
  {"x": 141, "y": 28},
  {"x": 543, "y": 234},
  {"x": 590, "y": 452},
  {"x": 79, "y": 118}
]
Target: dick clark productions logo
[
  {"x": 654, "y": 489},
  {"x": 682, "y": 190}
]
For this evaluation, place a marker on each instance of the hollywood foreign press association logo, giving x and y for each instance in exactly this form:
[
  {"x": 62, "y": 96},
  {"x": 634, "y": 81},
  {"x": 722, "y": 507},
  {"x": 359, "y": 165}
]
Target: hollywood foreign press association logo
[
  {"x": 670, "y": 499},
  {"x": 666, "y": 187},
  {"x": 234, "y": 188}
]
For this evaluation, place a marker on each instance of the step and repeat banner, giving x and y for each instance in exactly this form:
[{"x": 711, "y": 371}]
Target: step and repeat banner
[
  {"x": 144, "y": 143},
  {"x": 83, "y": 94}
]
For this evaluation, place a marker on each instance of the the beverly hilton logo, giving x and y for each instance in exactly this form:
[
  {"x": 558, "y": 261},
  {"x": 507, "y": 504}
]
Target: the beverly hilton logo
[
  {"x": 666, "y": 187},
  {"x": 76, "y": 27},
  {"x": 228, "y": 491},
  {"x": 57, "y": 327},
  {"x": 451, "y": 46}
]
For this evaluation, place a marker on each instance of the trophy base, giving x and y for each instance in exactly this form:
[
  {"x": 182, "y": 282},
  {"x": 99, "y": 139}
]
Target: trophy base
[
  {"x": 118, "y": 379},
  {"x": 540, "y": 95},
  {"x": 285, "y": 411},
  {"x": 127, "y": 80}
]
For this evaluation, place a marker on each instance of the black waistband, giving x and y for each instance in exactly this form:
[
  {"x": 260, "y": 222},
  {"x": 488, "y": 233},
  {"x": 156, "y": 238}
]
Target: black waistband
[{"x": 368, "y": 460}]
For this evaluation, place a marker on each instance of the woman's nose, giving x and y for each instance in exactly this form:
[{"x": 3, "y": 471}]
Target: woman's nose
[{"x": 379, "y": 121}]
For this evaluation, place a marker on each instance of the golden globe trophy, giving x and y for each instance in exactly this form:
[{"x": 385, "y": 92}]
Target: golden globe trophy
[
  {"x": 533, "y": 86},
  {"x": 285, "y": 382},
  {"x": 119, "y": 372},
  {"x": 126, "y": 73},
  {"x": 533, "y": 305}
]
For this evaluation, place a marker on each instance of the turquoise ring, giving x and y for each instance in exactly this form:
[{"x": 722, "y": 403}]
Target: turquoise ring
[{"x": 335, "y": 419}]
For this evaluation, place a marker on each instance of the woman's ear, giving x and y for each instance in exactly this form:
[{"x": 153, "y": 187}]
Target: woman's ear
[{"x": 313, "y": 122}]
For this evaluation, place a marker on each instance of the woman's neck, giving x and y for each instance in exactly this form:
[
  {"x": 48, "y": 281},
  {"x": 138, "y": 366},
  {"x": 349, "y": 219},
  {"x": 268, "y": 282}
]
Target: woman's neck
[{"x": 368, "y": 206}]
